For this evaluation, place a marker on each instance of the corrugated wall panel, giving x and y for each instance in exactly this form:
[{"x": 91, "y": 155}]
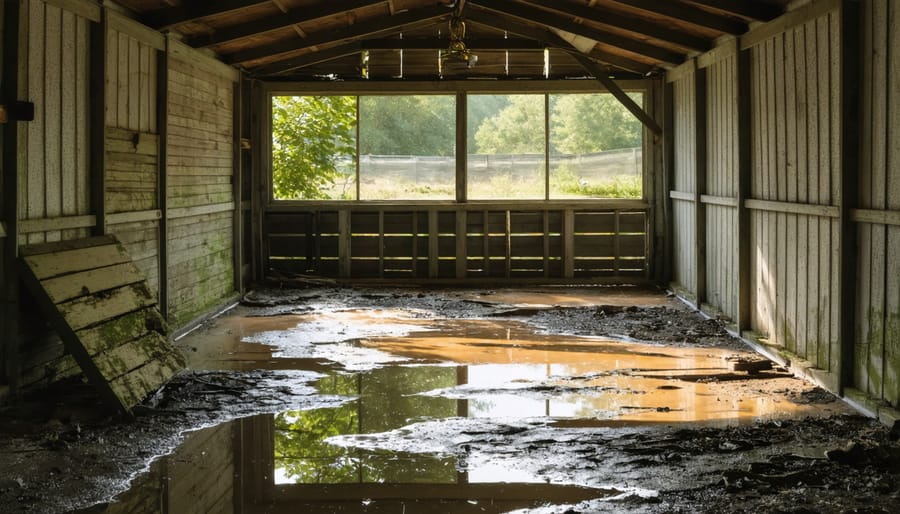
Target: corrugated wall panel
[{"x": 683, "y": 227}]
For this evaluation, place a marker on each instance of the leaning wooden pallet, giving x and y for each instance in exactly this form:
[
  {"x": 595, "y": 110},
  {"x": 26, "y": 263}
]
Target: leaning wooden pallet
[{"x": 99, "y": 303}]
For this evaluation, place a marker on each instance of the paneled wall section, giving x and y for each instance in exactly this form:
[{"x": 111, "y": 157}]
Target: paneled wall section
[{"x": 683, "y": 228}]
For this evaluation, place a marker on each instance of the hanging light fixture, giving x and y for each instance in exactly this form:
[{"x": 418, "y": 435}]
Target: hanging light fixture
[{"x": 457, "y": 56}]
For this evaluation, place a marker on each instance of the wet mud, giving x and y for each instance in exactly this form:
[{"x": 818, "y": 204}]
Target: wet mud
[{"x": 557, "y": 400}]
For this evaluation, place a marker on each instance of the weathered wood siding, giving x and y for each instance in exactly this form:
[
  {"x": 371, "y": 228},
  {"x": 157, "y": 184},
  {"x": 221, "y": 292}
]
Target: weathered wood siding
[
  {"x": 200, "y": 196},
  {"x": 132, "y": 148},
  {"x": 54, "y": 177},
  {"x": 795, "y": 152},
  {"x": 877, "y": 346},
  {"x": 721, "y": 187},
  {"x": 684, "y": 269}
]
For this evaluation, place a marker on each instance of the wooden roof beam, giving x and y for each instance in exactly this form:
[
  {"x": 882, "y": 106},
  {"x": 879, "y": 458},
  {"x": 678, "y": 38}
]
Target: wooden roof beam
[
  {"x": 688, "y": 13},
  {"x": 627, "y": 22},
  {"x": 542, "y": 17},
  {"x": 294, "y": 17},
  {"x": 753, "y": 9},
  {"x": 434, "y": 43},
  {"x": 353, "y": 32},
  {"x": 310, "y": 59},
  {"x": 550, "y": 39},
  {"x": 186, "y": 12}
]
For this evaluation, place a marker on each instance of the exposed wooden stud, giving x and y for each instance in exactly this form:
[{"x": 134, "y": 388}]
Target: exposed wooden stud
[
  {"x": 568, "y": 243},
  {"x": 98, "y": 72},
  {"x": 744, "y": 173},
  {"x": 162, "y": 181},
  {"x": 850, "y": 142},
  {"x": 237, "y": 183},
  {"x": 10, "y": 357},
  {"x": 462, "y": 257},
  {"x": 433, "y": 244},
  {"x": 344, "y": 243},
  {"x": 700, "y": 165},
  {"x": 666, "y": 273},
  {"x": 462, "y": 148}
]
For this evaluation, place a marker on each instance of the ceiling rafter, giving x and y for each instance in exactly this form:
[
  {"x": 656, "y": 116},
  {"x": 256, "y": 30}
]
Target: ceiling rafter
[
  {"x": 294, "y": 17},
  {"x": 562, "y": 22},
  {"x": 187, "y": 12},
  {"x": 626, "y": 22},
  {"x": 310, "y": 59},
  {"x": 353, "y": 32},
  {"x": 550, "y": 39},
  {"x": 753, "y": 9},
  {"x": 688, "y": 13}
]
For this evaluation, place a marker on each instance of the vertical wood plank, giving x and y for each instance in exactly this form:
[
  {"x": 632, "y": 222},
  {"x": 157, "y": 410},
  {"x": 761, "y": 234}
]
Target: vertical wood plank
[
  {"x": 699, "y": 181},
  {"x": 112, "y": 77},
  {"x": 33, "y": 173},
  {"x": 568, "y": 243},
  {"x": 813, "y": 171},
  {"x": 97, "y": 119},
  {"x": 790, "y": 140},
  {"x": 344, "y": 243},
  {"x": 69, "y": 129},
  {"x": 161, "y": 111},
  {"x": 798, "y": 35},
  {"x": 462, "y": 151},
  {"x": 122, "y": 82},
  {"x": 825, "y": 178},
  {"x": 82, "y": 117},
  {"x": 892, "y": 248},
  {"x": 52, "y": 120},
  {"x": 433, "y": 247},
  {"x": 778, "y": 95}
]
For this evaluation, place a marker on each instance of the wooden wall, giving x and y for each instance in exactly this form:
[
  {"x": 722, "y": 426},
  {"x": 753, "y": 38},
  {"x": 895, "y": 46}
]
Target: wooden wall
[
  {"x": 683, "y": 228},
  {"x": 132, "y": 144},
  {"x": 822, "y": 230},
  {"x": 54, "y": 179},
  {"x": 877, "y": 348},
  {"x": 155, "y": 168},
  {"x": 200, "y": 192}
]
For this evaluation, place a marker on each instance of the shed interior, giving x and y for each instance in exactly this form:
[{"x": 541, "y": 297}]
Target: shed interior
[{"x": 769, "y": 178}]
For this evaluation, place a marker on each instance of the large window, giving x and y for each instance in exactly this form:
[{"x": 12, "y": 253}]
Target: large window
[
  {"x": 403, "y": 147},
  {"x": 407, "y": 147}
]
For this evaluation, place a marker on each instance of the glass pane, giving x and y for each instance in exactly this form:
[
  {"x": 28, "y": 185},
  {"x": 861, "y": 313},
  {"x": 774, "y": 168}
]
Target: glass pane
[
  {"x": 313, "y": 147},
  {"x": 595, "y": 147},
  {"x": 407, "y": 147},
  {"x": 506, "y": 147}
]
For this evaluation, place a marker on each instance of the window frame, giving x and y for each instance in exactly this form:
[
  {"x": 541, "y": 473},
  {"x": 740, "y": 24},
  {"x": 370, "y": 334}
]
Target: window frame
[{"x": 462, "y": 89}]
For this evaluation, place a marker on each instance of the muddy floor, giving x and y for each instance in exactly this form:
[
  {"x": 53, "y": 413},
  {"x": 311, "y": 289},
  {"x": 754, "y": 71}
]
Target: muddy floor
[{"x": 558, "y": 400}]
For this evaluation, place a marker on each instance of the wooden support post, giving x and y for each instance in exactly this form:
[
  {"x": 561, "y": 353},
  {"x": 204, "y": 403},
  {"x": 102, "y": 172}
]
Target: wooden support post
[
  {"x": 666, "y": 272},
  {"x": 568, "y": 243},
  {"x": 842, "y": 358},
  {"x": 546, "y": 244},
  {"x": 98, "y": 70},
  {"x": 237, "y": 188},
  {"x": 700, "y": 184},
  {"x": 162, "y": 185},
  {"x": 344, "y": 241},
  {"x": 462, "y": 257},
  {"x": 744, "y": 174},
  {"x": 9, "y": 276},
  {"x": 433, "y": 246},
  {"x": 462, "y": 150}
]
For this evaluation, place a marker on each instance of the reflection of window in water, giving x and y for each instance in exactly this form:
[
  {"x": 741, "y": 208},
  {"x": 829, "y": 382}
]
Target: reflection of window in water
[{"x": 386, "y": 401}]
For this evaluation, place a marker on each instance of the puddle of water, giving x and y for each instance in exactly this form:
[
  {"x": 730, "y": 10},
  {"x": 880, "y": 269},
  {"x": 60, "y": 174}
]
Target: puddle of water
[
  {"x": 575, "y": 297},
  {"x": 441, "y": 416}
]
